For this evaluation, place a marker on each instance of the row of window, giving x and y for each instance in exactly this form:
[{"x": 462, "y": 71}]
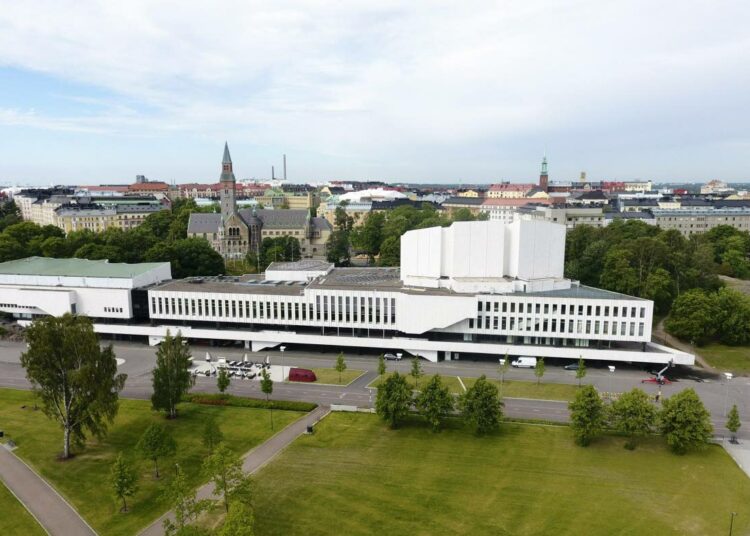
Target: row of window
[
  {"x": 537, "y": 325},
  {"x": 113, "y": 309},
  {"x": 349, "y": 309},
  {"x": 562, "y": 309}
]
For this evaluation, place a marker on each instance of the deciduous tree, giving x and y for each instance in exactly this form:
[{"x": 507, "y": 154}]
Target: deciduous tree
[
  {"x": 124, "y": 480},
  {"x": 340, "y": 364},
  {"x": 75, "y": 379},
  {"x": 435, "y": 402},
  {"x": 581, "y": 370},
  {"x": 634, "y": 415},
  {"x": 156, "y": 443},
  {"x": 685, "y": 422},
  {"x": 481, "y": 406},
  {"x": 539, "y": 370},
  {"x": 223, "y": 380},
  {"x": 239, "y": 521},
  {"x": 587, "y": 415},
  {"x": 393, "y": 399},
  {"x": 171, "y": 377},
  {"x": 733, "y": 422},
  {"x": 180, "y": 495},
  {"x": 381, "y": 366},
  {"x": 416, "y": 370},
  {"x": 212, "y": 434},
  {"x": 266, "y": 385},
  {"x": 224, "y": 468}
]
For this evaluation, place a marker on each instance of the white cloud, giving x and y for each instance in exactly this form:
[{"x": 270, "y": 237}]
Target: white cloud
[{"x": 379, "y": 78}]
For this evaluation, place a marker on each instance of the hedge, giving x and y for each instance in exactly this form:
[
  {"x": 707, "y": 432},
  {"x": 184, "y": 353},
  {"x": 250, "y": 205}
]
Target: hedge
[{"x": 210, "y": 399}]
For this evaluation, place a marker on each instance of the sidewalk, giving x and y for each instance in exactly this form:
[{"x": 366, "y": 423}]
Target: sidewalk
[
  {"x": 255, "y": 459},
  {"x": 53, "y": 512}
]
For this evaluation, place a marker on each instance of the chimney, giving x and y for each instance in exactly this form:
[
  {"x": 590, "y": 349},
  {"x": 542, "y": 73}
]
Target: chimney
[
  {"x": 284, "y": 167},
  {"x": 272, "y": 174}
]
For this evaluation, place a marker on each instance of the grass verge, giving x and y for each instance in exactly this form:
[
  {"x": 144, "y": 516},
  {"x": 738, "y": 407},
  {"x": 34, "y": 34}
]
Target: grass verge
[
  {"x": 330, "y": 376},
  {"x": 84, "y": 480},
  {"x": 524, "y": 480},
  {"x": 727, "y": 358},
  {"x": 14, "y": 518},
  {"x": 216, "y": 399}
]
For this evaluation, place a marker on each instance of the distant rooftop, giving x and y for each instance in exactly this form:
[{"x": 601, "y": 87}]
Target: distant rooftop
[
  {"x": 581, "y": 291},
  {"x": 300, "y": 266},
  {"x": 43, "y": 266}
]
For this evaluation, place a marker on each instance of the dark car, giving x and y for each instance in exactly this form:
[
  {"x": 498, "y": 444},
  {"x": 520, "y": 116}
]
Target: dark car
[
  {"x": 572, "y": 366},
  {"x": 391, "y": 357}
]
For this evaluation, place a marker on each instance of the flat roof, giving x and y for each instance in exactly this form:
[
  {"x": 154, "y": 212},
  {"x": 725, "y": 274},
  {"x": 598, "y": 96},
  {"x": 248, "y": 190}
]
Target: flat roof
[
  {"x": 300, "y": 266},
  {"x": 579, "y": 291},
  {"x": 43, "y": 266},
  {"x": 234, "y": 284}
]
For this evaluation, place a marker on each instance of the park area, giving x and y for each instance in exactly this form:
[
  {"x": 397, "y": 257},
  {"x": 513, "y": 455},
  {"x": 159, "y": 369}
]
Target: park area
[
  {"x": 14, "y": 518},
  {"x": 725, "y": 358},
  {"x": 357, "y": 476},
  {"x": 330, "y": 376},
  {"x": 509, "y": 388},
  {"x": 84, "y": 480}
]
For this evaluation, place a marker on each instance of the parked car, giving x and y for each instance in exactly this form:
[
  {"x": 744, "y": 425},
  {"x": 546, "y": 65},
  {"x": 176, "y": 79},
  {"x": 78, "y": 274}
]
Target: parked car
[
  {"x": 524, "y": 362},
  {"x": 301, "y": 375},
  {"x": 572, "y": 366},
  {"x": 391, "y": 357}
]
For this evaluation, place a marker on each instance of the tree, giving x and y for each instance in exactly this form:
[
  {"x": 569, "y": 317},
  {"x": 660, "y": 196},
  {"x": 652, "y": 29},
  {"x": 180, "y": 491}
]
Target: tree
[
  {"x": 393, "y": 399},
  {"x": 76, "y": 379},
  {"x": 156, "y": 443},
  {"x": 734, "y": 317},
  {"x": 539, "y": 370},
  {"x": 587, "y": 414},
  {"x": 694, "y": 316},
  {"x": 239, "y": 521},
  {"x": 188, "y": 257},
  {"x": 340, "y": 365},
  {"x": 212, "y": 434},
  {"x": 685, "y": 422},
  {"x": 337, "y": 248},
  {"x": 171, "y": 377},
  {"x": 381, "y": 366},
  {"x": 435, "y": 402},
  {"x": 733, "y": 422},
  {"x": 503, "y": 369},
  {"x": 222, "y": 380},
  {"x": 416, "y": 370},
  {"x": 368, "y": 237},
  {"x": 180, "y": 495},
  {"x": 581, "y": 370},
  {"x": 390, "y": 251},
  {"x": 634, "y": 415},
  {"x": 224, "y": 468},
  {"x": 481, "y": 406},
  {"x": 266, "y": 385},
  {"x": 124, "y": 480}
]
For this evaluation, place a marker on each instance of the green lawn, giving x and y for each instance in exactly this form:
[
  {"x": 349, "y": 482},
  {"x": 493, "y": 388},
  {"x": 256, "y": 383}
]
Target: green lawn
[
  {"x": 727, "y": 358},
  {"x": 84, "y": 480},
  {"x": 510, "y": 388},
  {"x": 523, "y": 389},
  {"x": 14, "y": 518},
  {"x": 355, "y": 476},
  {"x": 329, "y": 375}
]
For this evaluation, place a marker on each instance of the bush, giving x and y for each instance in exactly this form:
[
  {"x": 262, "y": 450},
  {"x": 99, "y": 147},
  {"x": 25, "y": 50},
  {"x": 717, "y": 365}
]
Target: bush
[{"x": 208, "y": 399}]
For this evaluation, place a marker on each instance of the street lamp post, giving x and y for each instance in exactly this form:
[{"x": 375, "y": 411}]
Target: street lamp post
[
  {"x": 282, "y": 348},
  {"x": 731, "y": 522}
]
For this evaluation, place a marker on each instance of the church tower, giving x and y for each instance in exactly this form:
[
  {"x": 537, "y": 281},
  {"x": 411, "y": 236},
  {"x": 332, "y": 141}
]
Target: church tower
[
  {"x": 543, "y": 177},
  {"x": 227, "y": 181}
]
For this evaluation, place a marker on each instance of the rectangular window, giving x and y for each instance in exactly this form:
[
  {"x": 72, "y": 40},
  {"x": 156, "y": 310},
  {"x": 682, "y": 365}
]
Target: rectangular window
[
  {"x": 632, "y": 329},
  {"x": 623, "y": 328},
  {"x": 643, "y": 312},
  {"x": 369, "y": 310},
  {"x": 606, "y": 310},
  {"x": 192, "y": 307},
  {"x": 640, "y": 329},
  {"x": 520, "y": 307},
  {"x": 605, "y": 327},
  {"x": 632, "y": 312},
  {"x": 479, "y": 307},
  {"x": 562, "y": 309},
  {"x": 580, "y": 310},
  {"x": 471, "y": 323},
  {"x": 317, "y": 307},
  {"x": 513, "y": 307},
  {"x": 393, "y": 311},
  {"x": 341, "y": 308},
  {"x": 226, "y": 308},
  {"x": 596, "y": 327},
  {"x": 348, "y": 310},
  {"x": 614, "y": 311},
  {"x": 213, "y": 307},
  {"x": 505, "y": 307},
  {"x": 588, "y": 310},
  {"x": 538, "y": 308},
  {"x": 546, "y": 308},
  {"x": 495, "y": 307},
  {"x": 598, "y": 310},
  {"x": 494, "y": 322},
  {"x": 588, "y": 326}
]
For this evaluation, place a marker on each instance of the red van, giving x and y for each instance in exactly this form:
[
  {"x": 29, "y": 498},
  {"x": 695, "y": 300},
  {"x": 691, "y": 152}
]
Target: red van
[{"x": 301, "y": 375}]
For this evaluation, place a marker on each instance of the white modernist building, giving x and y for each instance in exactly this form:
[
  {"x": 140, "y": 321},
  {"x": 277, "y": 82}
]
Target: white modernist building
[{"x": 474, "y": 288}]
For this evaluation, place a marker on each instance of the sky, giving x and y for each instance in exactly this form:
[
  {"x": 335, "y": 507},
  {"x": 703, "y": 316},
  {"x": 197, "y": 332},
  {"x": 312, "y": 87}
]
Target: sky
[{"x": 421, "y": 91}]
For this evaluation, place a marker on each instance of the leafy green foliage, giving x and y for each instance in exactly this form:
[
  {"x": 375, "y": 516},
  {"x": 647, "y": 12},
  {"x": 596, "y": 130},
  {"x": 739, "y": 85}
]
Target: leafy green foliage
[
  {"x": 211, "y": 435},
  {"x": 435, "y": 402},
  {"x": 340, "y": 364},
  {"x": 634, "y": 415},
  {"x": 733, "y": 421},
  {"x": 156, "y": 443},
  {"x": 393, "y": 399},
  {"x": 539, "y": 370},
  {"x": 700, "y": 317},
  {"x": 581, "y": 371},
  {"x": 481, "y": 406},
  {"x": 381, "y": 365},
  {"x": 587, "y": 415},
  {"x": 124, "y": 481},
  {"x": 416, "y": 370},
  {"x": 171, "y": 376},
  {"x": 266, "y": 385},
  {"x": 239, "y": 521},
  {"x": 685, "y": 422},
  {"x": 186, "y": 507},
  {"x": 76, "y": 380},
  {"x": 223, "y": 380},
  {"x": 210, "y": 399},
  {"x": 224, "y": 469},
  {"x": 9, "y": 214}
]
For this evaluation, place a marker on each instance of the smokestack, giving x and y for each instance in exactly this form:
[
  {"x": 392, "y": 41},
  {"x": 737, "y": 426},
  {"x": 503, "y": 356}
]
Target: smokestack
[
  {"x": 284, "y": 167},
  {"x": 272, "y": 175}
]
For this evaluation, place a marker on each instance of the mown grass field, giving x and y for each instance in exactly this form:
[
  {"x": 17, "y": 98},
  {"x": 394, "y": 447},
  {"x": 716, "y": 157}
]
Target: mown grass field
[
  {"x": 727, "y": 358},
  {"x": 14, "y": 518},
  {"x": 509, "y": 388},
  {"x": 84, "y": 480},
  {"x": 330, "y": 376},
  {"x": 355, "y": 476}
]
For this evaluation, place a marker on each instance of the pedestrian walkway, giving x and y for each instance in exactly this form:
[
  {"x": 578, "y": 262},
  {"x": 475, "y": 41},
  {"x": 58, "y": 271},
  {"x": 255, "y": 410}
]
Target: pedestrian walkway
[
  {"x": 740, "y": 453},
  {"x": 255, "y": 459},
  {"x": 53, "y": 512}
]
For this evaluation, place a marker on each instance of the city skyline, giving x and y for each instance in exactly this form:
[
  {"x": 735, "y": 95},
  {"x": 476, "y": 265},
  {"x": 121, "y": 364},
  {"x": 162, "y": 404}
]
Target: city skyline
[{"x": 423, "y": 94}]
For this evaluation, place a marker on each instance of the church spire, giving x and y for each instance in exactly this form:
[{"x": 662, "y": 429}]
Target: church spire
[
  {"x": 543, "y": 176},
  {"x": 227, "y": 159},
  {"x": 227, "y": 180}
]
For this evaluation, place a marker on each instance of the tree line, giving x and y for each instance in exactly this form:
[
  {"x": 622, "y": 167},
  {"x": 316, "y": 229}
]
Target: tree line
[
  {"x": 379, "y": 235},
  {"x": 161, "y": 237}
]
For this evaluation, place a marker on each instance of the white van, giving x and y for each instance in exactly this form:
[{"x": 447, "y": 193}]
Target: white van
[{"x": 524, "y": 362}]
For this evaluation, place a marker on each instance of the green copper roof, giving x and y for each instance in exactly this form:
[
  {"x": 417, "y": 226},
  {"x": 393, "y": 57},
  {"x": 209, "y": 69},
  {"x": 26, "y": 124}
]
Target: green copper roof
[
  {"x": 75, "y": 267},
  {"x": 227, "y": 159}
]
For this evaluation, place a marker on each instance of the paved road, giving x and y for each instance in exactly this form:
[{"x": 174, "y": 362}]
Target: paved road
[
  {"x": 52, "y": 511},
  {"x": 254, "y": 460}
]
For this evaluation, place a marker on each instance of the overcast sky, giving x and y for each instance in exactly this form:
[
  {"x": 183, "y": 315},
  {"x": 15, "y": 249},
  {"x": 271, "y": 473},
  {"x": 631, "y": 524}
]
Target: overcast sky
[{"x": 435, "y": 91}]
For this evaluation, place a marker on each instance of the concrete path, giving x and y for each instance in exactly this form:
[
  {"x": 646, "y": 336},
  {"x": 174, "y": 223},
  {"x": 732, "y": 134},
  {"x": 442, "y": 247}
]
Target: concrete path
[
  {"x": 739, "y": 452},
  {"x": 254, "y": 460},
  {"x": 660, "y": 335},
  {"x": 53, "y": 512}
]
